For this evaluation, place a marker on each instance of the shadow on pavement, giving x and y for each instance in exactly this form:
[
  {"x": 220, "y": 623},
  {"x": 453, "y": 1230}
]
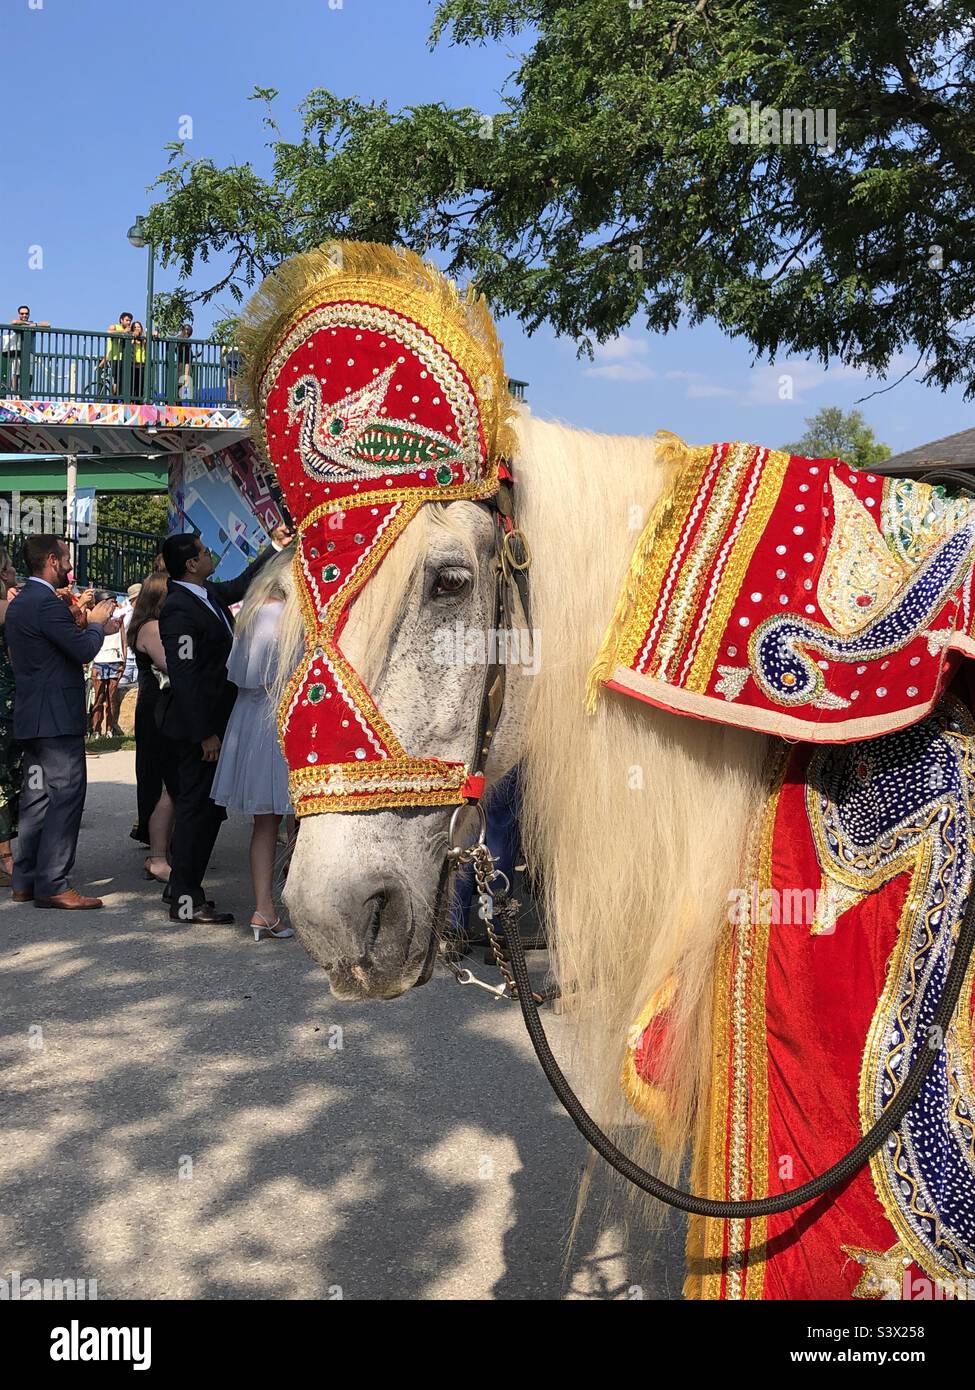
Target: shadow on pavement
[{"x": 198, "y": 1118}]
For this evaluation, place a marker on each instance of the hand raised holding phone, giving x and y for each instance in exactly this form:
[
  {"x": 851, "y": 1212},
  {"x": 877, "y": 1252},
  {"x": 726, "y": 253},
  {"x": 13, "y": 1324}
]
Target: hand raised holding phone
[{"x": 102, "y": 612}]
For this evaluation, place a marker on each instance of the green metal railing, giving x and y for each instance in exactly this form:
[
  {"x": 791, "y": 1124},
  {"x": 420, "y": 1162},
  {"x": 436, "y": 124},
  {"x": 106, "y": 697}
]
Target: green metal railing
[
  {"x": 111, "y": 559},
  {"x": 67, "y": 364},
  {"x": 114, "y": 558},
  {"x": 70, "y": 364}
]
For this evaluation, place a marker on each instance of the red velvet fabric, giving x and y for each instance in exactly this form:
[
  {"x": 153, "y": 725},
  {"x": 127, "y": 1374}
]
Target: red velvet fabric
[{"x": 821, "y": 993}]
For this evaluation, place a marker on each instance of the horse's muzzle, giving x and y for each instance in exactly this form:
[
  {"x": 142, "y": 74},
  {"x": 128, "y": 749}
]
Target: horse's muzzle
[{"x": 364, "y": 935}]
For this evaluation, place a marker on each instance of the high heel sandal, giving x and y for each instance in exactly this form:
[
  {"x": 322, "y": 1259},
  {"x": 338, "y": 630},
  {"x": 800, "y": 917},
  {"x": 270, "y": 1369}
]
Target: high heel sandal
[
  {"x": 266, "y": 928},
  {"x": 149, "y": 873}
]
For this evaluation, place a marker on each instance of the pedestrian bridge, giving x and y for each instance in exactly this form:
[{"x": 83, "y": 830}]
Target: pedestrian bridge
[{"x": 59, "y": 385}]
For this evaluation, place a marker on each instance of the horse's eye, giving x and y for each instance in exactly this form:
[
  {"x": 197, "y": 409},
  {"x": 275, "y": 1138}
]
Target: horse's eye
[{"x": 450, "y": 583}]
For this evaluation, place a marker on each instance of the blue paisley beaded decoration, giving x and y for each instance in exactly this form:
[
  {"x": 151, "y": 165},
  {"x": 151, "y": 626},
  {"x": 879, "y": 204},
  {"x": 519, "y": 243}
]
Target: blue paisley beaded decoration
[
  {"x": 779, "y": 648},
  {"x": 904, "y": 802}
]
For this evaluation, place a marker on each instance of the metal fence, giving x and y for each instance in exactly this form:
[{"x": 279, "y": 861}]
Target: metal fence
[
  {"x": 68, "y": 364},
  {"x": 112, "y": 559},
  {"x": 75, "y": 364},
  {"x": 115, "y": 558}
]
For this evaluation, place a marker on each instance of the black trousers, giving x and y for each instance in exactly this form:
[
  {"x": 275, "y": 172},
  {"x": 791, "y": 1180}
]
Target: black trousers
[
  {"x": 198, "y": 822},
  {"x": 51, "y": 803},
  {"x": 151, "y": 753}
]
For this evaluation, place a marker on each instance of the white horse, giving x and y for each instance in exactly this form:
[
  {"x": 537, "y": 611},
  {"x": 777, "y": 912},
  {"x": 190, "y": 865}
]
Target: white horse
[{"x": 637, "y": 819}]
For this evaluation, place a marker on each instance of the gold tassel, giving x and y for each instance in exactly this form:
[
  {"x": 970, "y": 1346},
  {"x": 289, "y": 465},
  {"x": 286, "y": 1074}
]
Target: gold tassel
[
  {"x": 671, "y": 451},
  {"x": 370, "y": 271}
]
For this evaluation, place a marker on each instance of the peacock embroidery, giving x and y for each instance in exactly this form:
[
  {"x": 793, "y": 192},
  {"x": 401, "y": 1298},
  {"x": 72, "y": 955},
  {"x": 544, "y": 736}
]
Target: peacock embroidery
[{"x": 353, "y": 439}]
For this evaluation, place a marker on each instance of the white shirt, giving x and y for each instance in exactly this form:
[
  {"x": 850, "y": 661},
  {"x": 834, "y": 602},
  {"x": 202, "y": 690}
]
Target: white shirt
[
  {"x": 202, "y": 594},
  {"x": 110, "y": 652},
  {"x": 36, "y": 579}
]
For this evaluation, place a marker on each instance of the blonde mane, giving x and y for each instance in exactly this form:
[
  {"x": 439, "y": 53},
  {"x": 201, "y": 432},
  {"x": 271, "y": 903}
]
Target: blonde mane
[{"x": 636, "y": 819}]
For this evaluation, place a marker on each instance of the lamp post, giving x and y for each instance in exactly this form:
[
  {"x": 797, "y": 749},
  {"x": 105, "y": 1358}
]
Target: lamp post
[{"x": 138, "y": 239}]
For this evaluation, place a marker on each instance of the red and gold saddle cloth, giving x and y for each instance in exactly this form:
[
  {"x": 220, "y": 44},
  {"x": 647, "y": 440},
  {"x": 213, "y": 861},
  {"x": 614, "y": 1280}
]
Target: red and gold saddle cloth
[
  {"x": 798, "y": 597},
  {"x": 794, "y": 596},
  {"x": 826, "y": 982}
]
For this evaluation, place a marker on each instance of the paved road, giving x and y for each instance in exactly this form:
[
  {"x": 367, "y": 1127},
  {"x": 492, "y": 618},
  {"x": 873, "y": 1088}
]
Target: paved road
[{"x": 185, "y": 1113}]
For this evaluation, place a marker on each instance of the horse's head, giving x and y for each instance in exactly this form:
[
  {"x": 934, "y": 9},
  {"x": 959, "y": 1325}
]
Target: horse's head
[{"x": 362, "y": 887}]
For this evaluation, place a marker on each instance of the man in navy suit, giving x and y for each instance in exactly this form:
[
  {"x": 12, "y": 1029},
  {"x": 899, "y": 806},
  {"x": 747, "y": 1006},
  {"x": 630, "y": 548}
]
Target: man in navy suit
[
  {"x": 48, "y": 651},
  {"x": 196, "y": 628}
]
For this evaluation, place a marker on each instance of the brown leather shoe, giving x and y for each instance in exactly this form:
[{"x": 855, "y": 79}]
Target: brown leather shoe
[
  {"x": 22, "y": 895},
  {"x": 71, "y": 900}
]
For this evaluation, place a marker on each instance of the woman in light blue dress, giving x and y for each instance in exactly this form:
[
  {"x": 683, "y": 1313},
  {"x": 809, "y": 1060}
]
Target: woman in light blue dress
[{"x": 252, "y": 776}]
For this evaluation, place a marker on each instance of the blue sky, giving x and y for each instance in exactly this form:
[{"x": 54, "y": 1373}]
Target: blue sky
[{"x": 93, "y": 89}]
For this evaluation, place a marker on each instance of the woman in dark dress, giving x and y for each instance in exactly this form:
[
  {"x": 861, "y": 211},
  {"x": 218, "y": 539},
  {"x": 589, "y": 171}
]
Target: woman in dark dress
[
  {"x": 10, "y": 756},
  {"x": 154, "y": 802}
]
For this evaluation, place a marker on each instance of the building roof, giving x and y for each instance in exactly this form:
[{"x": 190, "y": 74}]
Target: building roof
[{"x": 953, "y": 451}]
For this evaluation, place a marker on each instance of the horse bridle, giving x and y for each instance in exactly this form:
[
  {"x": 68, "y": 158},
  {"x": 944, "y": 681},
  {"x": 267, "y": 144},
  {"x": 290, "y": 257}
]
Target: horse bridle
[{"x": 511, "y": 562}]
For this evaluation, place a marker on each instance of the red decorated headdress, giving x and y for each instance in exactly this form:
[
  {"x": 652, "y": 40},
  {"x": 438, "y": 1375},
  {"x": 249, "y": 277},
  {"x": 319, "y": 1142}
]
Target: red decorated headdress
[{"x": 377, "y": 387}]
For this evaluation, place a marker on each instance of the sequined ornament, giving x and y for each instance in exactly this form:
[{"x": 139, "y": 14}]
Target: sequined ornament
[{"x": 378, "y": 387}]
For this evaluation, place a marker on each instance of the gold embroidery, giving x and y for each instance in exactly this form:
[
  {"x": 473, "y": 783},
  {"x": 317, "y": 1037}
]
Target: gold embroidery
[
  {"x": 832, "y": 900},
  {"x": 883, "y": 1271},
  {"x": 728, "y": 584},
  {"x": 731, "y": 1155},
  {"x": 649, "y": 564},
  {"x": 320, "y": 632},
  {"x": 695, "y": 568},
  {"x": 347, "y": 272},
  {"x": 859, "y": 574},
  {"x": 870, "y": 868},
  {"x": 917, "y": 517},
  {"x": 962, "y": 1048},
  {"x": 453, "y": 337},
  {"x": 399, "y": 780},
  {"x": 455, "y": 387}
]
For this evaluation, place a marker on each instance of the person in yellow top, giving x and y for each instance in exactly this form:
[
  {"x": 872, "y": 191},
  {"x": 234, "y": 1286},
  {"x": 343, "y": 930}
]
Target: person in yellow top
[
  {"x": 139, "y": 343},
  {"x": 115, "y": 350}
]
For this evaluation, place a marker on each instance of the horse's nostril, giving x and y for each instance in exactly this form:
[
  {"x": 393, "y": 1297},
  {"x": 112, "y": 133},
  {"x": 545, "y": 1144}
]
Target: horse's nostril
[{"x": 376, "y": 903}]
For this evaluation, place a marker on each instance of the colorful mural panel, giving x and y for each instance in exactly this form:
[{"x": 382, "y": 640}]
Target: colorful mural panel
[
  {"x": 121, "y": 413},
  {"x": 227, "y": 498}
]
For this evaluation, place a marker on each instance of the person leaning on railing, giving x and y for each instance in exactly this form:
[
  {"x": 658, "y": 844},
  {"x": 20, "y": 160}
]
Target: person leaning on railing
[
  {"x": 184, "y": 363},
  {"x": 115, "y": 351},
  {"x": 138, "y": 359},
  {"x": 10, "y": 349},
  {"x": 230, "y": 357}
]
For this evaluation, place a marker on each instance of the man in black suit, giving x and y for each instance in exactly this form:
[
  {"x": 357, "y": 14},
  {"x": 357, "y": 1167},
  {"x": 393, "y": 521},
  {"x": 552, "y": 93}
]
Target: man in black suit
[
  {"x": 196, "y": 628},
  {"x": 48, "y": 651}
]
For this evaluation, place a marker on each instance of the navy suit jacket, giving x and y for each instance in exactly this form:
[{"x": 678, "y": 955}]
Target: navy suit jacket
[{"x": 48, "y": 651}]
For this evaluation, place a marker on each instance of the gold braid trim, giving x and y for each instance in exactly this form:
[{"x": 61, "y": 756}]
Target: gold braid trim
[
  {"x": 731, "y": 1145},
  {"x": 670, "y": 451},
  {"x": 648, "y": 1098},
  {"x": 396, "y": 279}
]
